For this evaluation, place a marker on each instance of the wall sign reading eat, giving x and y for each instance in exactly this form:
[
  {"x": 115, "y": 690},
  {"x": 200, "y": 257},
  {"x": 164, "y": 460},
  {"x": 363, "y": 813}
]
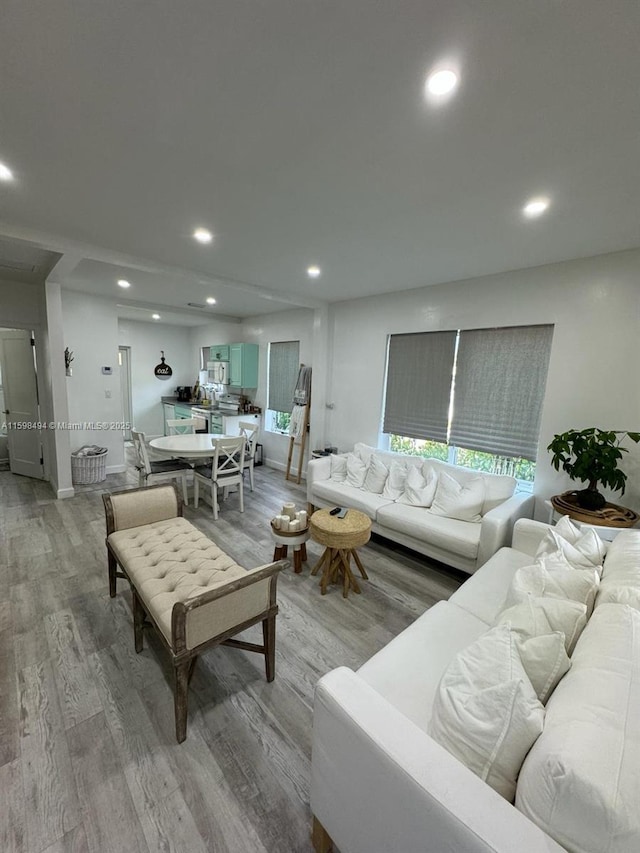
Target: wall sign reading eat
[{"x": 162, "y": 370}]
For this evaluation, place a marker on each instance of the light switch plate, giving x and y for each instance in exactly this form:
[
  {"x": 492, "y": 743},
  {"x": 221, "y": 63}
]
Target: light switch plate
[{"x": 107, "y": 371}]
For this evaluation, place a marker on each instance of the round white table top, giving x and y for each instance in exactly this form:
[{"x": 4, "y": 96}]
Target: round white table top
[{"x": 196, "y": 444}]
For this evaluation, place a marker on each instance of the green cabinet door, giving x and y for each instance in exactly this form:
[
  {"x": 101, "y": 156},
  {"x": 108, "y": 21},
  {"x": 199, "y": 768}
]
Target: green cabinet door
[
  {"x": 243, "y": 365},
  {"x": 219, "y": 352}
]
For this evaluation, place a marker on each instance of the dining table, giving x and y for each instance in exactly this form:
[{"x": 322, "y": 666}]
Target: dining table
[{"x": 196, "y": 445}]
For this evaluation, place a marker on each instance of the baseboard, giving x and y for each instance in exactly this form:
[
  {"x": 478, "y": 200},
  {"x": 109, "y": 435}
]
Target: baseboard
[
  {"x": 115, "y": 469},
  {"x": 281, "y": 466},
  {"x": 61, "y": 494}
]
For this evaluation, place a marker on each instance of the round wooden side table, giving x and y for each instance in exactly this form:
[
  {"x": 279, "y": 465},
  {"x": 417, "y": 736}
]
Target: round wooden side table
[
  {"x": 297, "y": 540},
  {"x": 341, "y": 537}
]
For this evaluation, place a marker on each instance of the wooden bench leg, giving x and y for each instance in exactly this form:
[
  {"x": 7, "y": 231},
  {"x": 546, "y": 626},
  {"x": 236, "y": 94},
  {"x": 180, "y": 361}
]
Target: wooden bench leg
[
  {"x": 180, "y": 698},
  {"x": 320, "y": 838},
  {"x": 113, "y": 568},
  {"x": 138, "y": 621},
  {"x": 303, "y": 552},
  {"x": 269, "y": 635}
]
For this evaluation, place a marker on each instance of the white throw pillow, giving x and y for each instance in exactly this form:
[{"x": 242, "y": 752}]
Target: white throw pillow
[
  {"x": 394, "y": 487},
  {"x": 417, "y": 490},
  {"x": 453, "y": 500},
  {"x": 535, "y": 616},
  {"x": 356, "y": 471},
  {"x": 338, "y": 469},
  {"x": 541, "y": 580},
  {"x": 580, "y": 782},
  {"x": 545, "y": 661},
  {"x": 583, "y": 552},
  {"x": 377, "y": 474},
  {"x": 486, "y": 712}
]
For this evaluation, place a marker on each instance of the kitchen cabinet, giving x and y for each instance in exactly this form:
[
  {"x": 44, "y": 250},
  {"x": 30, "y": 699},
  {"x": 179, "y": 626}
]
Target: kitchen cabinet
[
  {"x": 219, "y": 352},
  {"x": 182, "y": 411},
  {"x": 243, "y": 365}
]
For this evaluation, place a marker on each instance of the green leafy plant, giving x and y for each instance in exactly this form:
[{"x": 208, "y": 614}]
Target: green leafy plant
[{"x": 592, "y": 456}]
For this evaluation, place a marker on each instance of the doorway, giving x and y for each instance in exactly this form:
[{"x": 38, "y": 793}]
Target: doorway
[
  {"x": 124, "y": 361},
  {"x": 20, "y": 404}
]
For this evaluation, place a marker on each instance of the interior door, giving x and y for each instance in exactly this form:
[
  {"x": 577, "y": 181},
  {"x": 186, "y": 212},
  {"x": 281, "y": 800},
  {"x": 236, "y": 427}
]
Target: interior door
[
  {"x": 21, "y": 412},
  {"x": 124, "y": 360}
]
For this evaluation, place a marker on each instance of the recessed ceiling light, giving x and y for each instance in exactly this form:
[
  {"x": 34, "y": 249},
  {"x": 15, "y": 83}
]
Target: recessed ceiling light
[
  {"x": 202, "y": 235},
  {"x": 5, "y": 173},
  {"x": 441, "y": 83},
  {"x": 535, "y": 207},
  {"x": 122, "y": 282},
  {"x": 313, "y": 272},
  {"x": 155, "y": 316},
  {"x": 211, "y": 300}
]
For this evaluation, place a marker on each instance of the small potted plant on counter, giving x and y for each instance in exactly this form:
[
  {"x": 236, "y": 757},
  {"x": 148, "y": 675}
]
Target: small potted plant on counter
[{"x": 592, "y": 456}]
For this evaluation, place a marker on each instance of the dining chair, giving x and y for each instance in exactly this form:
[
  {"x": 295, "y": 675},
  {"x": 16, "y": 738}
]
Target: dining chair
[
  {"x": 150, "y": 472},
  {"x": 226, "y": 470},
  {"x": 181, "y": 426},
  {"x": 249, "y": 429}
]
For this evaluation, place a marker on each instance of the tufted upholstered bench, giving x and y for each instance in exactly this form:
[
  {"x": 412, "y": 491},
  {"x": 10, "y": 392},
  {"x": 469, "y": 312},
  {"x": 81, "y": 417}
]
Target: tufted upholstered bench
[{"x": 184, "y": 586}]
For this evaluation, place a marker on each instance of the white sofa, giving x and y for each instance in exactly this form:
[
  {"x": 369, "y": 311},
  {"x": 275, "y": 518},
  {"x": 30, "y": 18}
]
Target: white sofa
[
  {"x": 464, "y": 545},
  {"x": 379, "y": 782}
]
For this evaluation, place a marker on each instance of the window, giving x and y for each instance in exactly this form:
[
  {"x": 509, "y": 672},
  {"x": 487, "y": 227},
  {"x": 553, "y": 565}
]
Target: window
[
  {"x": 496, "y": 380},
  {"x": 284, "y": 364}
]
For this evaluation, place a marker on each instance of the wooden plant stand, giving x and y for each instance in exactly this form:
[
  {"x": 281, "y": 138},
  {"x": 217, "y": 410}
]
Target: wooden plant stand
[{"x": 611, "y": 515}]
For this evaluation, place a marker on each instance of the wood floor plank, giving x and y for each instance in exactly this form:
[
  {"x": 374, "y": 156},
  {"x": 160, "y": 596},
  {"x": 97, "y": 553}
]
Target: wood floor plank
[
  {"x": 72, "y": 842},
  {"x": 142, "y": 755},
  {"x": 77, "y": 692},
  {"x": 29, "y": 635},
  {"x": 9, "y": 706},
  {"x": 12, "y": 816},
  {"x": 51, "y": 801},
  {"x": 100, "y": 767},
  {"x": 109, "y": 817},
  {"x": 221, "y": 819},
  {"x": 160, "y": 820}
]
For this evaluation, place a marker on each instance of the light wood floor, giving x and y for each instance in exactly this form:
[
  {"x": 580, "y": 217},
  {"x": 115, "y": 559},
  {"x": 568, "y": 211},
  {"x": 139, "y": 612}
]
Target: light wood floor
[{"x": 88, "y": 757}]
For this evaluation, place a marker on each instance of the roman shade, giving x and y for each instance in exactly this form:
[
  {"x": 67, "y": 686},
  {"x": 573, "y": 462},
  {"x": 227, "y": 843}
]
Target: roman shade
[
  {"x": 419, "y": 371},
  {"x": 500, "y": 381},
  {"x": 284, "y": 364}
]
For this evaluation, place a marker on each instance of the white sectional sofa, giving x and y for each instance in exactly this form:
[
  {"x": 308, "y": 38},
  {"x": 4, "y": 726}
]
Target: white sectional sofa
[
  {"x": 380, "y": 782},
  {"x": 465, "y": 545}
]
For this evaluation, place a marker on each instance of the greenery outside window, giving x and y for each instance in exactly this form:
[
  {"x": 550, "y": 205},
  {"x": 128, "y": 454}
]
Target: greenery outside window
[{"x": 522, "y": 469}]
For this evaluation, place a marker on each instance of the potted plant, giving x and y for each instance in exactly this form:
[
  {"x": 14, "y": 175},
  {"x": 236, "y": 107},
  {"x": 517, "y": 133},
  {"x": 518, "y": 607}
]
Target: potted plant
[{"x": 592, "y": 456}]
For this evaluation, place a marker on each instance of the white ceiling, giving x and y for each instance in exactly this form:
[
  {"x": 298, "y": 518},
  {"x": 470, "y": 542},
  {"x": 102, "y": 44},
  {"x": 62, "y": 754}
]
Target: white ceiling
[{"x": 298, "y": 133}]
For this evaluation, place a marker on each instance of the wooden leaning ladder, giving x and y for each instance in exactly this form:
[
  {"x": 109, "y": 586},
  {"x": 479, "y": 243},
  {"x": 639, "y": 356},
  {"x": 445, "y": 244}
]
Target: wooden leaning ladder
[{"x": 301, "y": 444}]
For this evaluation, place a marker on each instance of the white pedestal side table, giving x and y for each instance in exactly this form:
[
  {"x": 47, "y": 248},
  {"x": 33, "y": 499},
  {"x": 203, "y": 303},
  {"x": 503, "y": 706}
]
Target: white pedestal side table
[{"x": 283, "y": 540}]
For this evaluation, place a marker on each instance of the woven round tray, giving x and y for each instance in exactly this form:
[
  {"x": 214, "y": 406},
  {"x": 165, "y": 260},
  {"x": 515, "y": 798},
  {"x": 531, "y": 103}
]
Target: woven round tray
[
  {"x": 611, "y": 515},
  {"x": 289, "y": 532},
  {"x": 349, "y": 532}
]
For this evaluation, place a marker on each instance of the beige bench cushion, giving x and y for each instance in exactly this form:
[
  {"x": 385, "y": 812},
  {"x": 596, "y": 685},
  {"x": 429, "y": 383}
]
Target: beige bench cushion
[{"x": 171, "y": 561}]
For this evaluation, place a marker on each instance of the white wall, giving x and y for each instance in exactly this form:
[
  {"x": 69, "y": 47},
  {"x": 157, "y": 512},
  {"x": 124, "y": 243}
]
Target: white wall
[
  {"x": 146, "y": 341},
  {"x": 295, "y": 325},
  {"x": 595, "y": 306},
  {"x": 90, "y": 327}
]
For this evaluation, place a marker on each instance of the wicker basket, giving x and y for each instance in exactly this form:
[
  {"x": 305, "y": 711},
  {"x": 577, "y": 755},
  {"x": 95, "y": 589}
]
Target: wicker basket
[{"x": 88, "y": 469}]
